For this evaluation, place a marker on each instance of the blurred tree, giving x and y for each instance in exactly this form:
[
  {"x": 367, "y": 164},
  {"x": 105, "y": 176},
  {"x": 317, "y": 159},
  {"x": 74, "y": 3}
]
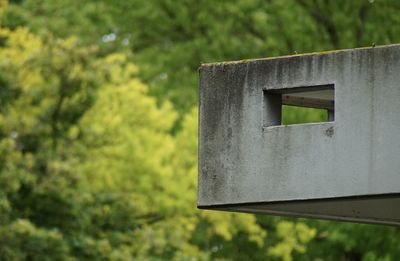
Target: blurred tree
[
  {"x": 46, "y": 85},
  {"x": 88, "y": 167},
  {"x": 89, "y": 20},
  {"x": 3, "y": 4}
]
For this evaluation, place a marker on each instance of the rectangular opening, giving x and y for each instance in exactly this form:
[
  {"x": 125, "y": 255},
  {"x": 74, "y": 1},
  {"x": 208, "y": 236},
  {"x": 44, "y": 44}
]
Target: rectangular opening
[{"x": 299, "y": 105}]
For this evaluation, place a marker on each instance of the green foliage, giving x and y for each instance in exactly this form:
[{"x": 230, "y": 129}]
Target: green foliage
[
  {"x": 46, "y": 86},
  {"x": 89, "y": 20},
  {"x": 348, "y": 241},
  {"x": 98, "y": 156},
  {"x": 292, "y": 115},
  {"x": 294, "y": 235},
  {"x": 3, "y": 5},
  {"x": 33, "y": 243}
]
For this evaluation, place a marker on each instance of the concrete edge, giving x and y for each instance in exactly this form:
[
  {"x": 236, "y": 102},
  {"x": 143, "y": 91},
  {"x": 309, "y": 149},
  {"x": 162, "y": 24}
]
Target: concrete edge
[{"x": 322, "y": 53}]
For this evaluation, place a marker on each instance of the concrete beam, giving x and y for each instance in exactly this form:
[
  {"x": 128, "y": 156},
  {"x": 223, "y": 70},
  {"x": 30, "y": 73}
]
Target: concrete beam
[{"x": 346, "y": 169}]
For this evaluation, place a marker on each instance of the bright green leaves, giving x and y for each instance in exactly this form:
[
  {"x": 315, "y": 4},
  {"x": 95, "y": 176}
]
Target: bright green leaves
[
  {"x": 294, "y": 237},
  {"x": 127, "y": 137},
  {"x": 3, "y": 5},
  {"x": 47, "y": 85},
  {"x": 33, "y": 243}
]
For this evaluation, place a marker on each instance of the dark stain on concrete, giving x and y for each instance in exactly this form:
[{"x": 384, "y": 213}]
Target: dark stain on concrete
[{"x": 329, "y": 132}]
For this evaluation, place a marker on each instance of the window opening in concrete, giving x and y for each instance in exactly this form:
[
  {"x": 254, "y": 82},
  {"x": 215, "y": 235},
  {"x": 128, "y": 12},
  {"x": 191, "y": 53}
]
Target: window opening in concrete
[{"x": 299, "y": 105}]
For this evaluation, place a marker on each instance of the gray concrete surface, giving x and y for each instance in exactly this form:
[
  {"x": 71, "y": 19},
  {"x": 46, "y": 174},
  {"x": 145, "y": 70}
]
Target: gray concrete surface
[{"x": 248, "y": 163}]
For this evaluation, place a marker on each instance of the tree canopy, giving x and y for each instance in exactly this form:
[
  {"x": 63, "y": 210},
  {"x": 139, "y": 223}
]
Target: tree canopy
[{"x": 98, "y": 127}]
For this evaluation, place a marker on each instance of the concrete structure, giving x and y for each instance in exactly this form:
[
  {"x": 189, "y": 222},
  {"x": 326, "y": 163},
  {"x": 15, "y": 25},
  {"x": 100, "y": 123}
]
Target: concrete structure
[{"x": 345, "y": 169}]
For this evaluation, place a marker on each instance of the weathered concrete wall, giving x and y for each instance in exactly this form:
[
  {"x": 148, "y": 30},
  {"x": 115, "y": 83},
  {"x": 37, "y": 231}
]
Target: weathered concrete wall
[{"x": 242, "y": 161}]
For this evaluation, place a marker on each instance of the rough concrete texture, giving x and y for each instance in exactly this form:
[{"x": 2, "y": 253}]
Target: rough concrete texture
[{"x": 247, "y": 166}]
